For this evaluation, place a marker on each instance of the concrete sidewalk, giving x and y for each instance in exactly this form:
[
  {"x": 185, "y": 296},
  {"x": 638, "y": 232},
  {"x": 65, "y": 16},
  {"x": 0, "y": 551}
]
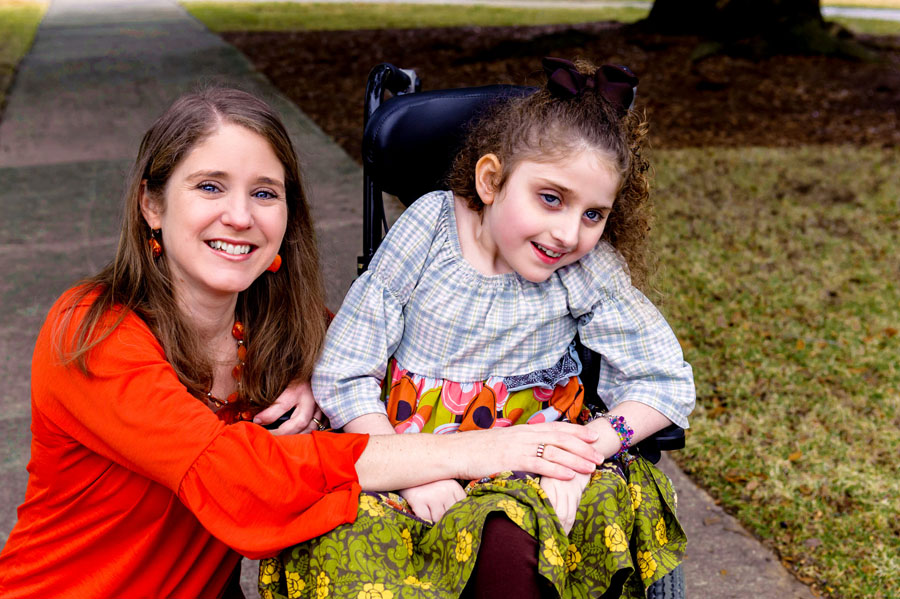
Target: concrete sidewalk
[{"x": 99, "y": 73}]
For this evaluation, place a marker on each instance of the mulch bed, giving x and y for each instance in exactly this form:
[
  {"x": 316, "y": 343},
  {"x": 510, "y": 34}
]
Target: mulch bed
[{"x": 720, "y": 101}]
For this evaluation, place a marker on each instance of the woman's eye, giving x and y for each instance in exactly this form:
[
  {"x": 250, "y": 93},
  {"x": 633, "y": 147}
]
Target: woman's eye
[
  {"x": 209, "y": 187},
  {"x": 550, "y": 199},
  {"x": 265, "y": 194}
]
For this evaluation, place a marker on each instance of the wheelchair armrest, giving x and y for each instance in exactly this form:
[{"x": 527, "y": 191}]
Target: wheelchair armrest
[{"x": 668, "y": 439}]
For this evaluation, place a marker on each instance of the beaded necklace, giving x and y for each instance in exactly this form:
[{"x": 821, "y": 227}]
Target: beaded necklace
[{"x": 233, "y": 408}]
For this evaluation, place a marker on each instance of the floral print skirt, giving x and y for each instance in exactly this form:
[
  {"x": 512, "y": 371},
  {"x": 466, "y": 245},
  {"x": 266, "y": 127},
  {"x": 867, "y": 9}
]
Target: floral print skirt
[{"x": 625, "y": 536}]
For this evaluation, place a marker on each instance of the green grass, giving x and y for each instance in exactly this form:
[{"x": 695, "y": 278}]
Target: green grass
[
  {"x": 863, "y": 3},
  {"x": 279, "y": 16},
  {"x": 19, "y": 20},
  {"x": 782, "y": 280},
  {"x": 283, "y": 16},
  {"x": 870, "y": 26}
]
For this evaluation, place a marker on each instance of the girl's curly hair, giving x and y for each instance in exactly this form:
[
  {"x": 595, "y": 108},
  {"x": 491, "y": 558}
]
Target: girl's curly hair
[{"x": 542, "y": 127}]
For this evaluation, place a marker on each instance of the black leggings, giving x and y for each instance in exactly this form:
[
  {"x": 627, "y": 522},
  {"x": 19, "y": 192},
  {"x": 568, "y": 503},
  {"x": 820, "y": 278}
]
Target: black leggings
[{"x": 507, "y": 564}]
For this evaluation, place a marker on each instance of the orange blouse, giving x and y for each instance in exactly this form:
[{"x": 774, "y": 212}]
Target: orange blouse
[{"x": 136, "y": 489}]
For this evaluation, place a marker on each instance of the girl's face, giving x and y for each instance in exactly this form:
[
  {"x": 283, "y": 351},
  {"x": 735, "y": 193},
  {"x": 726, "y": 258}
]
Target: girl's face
[
  {"x": 547, "y": 215},
  {"x": 224, "y": 214}
]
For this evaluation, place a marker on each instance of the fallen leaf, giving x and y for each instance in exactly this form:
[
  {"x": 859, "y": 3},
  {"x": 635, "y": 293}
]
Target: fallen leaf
[
  {"x": 795, "y": 456},
  {"x": 723, "y": 572},
  {"x": 890, "y": 332},
  {"x": 801, "y": 344},
  {"x": 812, "y": 542},
  {"x": 751, "y": 486}
]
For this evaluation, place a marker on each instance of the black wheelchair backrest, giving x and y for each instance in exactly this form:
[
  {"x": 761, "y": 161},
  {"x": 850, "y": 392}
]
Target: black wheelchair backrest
[{"x": 410, "y": 142}]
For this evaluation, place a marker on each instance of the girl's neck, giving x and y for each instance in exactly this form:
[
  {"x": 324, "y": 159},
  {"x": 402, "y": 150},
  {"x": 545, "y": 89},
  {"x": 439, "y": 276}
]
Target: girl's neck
[{"x": 476, "y": 245}]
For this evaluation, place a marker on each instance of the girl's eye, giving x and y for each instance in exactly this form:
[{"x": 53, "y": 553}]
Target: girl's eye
[
  {"x": 265, "y": 194},
  {"x": 208, "y": 187},
  {"x": 594, "y": 216},
  {"x": 550, "y": 199}
]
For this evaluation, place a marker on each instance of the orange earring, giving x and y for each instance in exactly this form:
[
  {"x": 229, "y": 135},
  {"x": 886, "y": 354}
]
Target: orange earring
[
  {"x": 155, "y": 246},
  {"x": 276, "y": 264}
]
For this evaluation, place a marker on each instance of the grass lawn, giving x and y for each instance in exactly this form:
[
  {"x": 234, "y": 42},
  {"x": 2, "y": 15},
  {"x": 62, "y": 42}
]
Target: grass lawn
[
  {"x": 281, "y": 16},
  {"x": 782, "y": 280},
  {"x": 19, "y": 20},
  {"x": 274, "y": 16}
]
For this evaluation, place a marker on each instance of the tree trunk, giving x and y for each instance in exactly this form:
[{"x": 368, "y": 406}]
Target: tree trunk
[
  {"x": 753, "y": 28},
  {"x": 729, "y": 20}
]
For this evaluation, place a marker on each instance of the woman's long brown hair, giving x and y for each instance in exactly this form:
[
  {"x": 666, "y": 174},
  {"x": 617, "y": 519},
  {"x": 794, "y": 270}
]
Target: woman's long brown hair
[{"x": 283, "y": 313}]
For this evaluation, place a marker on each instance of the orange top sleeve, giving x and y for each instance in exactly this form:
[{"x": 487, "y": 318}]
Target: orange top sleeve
[{"x": 107, "y": 447}]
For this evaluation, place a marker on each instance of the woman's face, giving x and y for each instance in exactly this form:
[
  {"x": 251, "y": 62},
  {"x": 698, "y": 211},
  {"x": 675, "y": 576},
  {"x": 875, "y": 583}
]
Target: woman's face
[{"x": 223, "y": 216}]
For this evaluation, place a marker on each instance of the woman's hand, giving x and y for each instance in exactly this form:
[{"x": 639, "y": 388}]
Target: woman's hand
[
  {"x": 401, "y": 461},
  {"x": 298, "y": 396},
  {"x": 566, "y": 450},
  {"x": 565, "y": 496},
  {"x": 431, "y": 500}
]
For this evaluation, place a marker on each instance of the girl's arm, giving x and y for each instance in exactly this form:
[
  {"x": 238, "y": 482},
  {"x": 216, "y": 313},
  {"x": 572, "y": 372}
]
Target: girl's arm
[{"x": 642, "y": 373}]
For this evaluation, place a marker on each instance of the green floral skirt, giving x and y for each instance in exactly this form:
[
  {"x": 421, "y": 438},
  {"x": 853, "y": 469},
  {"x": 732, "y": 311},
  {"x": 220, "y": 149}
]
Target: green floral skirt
[{"x": 625, "y": 534}]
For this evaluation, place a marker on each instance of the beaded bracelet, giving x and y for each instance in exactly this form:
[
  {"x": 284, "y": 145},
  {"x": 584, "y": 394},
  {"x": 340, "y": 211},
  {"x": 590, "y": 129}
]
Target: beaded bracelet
[
  {"x": 622, "y": 429},
  {"x": 625, "y": 434}
]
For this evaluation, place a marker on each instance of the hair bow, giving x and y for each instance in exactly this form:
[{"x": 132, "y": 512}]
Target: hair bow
[{"x": 616, "y": 83}]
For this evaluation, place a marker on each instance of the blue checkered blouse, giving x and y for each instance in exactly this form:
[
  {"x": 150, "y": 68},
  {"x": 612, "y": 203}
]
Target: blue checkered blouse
[{"x": 423, "y": 303}]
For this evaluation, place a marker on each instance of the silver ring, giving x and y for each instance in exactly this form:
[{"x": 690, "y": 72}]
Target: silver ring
[
  {"x": 319, "y": 424},
  {"x": 540, "y": 449}
]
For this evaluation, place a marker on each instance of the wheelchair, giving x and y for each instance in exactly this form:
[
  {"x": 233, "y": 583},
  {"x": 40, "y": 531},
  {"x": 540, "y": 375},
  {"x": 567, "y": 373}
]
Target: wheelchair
[{"x": 409, "y": 142}]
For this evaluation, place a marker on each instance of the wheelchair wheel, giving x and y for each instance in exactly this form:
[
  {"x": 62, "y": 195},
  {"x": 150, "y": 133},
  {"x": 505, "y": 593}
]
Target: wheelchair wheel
[{"x": 670, "y": 586}]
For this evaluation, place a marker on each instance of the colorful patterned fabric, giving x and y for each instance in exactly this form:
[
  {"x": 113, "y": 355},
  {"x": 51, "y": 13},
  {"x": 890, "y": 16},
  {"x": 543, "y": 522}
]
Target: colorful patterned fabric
[
  {"x": 421, "y": 302},
  {"x": 625, "y": 537},
  {"x": 625, "y": 533},
  {"x": 417, "y": 404}
]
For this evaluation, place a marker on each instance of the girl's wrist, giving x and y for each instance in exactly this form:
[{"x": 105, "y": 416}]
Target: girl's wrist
[{"x": 608, "y": 443}]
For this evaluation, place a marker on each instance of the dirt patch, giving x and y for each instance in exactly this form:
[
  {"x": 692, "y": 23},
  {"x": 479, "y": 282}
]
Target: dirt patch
[{"x": 782, "y": 101}]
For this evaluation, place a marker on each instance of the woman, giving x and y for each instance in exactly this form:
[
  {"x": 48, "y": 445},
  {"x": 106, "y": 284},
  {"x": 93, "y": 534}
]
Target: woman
[{"x": 146, "y": 478}]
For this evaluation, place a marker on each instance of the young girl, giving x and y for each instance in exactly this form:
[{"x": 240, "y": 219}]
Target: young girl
[{"x": 465, "y": 320}]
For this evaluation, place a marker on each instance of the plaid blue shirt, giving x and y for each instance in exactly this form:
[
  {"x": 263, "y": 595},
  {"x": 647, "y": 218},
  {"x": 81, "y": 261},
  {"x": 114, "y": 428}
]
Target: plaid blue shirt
[{"x": 423, "y": 303}]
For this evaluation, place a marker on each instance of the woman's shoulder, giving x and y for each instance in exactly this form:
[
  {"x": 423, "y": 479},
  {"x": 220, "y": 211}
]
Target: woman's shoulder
[
  {"x": 78, "y": 300},
  {"x": 74, "y": 306}
]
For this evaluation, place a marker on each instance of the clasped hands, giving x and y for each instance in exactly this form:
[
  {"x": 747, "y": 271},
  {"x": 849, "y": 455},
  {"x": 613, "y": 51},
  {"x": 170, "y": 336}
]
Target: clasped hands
[
  {"x": 298, "y": 396},
  {"x": 563, "y": 486}
]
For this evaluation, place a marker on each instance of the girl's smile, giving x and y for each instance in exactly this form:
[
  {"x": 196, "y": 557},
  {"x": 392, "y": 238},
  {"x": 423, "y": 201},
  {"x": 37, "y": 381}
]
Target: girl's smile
[{"x": 546, "y": 215}]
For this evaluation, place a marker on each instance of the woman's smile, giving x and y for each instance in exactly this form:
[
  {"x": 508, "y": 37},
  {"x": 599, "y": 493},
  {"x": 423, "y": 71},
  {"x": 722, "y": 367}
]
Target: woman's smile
[{"x": 235, "y": 248}]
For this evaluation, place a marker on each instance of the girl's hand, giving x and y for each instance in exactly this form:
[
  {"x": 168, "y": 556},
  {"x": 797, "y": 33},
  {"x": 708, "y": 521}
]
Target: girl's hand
[
  {"x": 431, "y": 500},
  {"x": 565, "y": 496},
  {"x": 298, "y": 395}
]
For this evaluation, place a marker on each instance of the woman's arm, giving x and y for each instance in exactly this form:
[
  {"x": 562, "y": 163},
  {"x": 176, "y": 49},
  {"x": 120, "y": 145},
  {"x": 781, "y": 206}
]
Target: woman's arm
[{"x": 400, "y": 461}]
